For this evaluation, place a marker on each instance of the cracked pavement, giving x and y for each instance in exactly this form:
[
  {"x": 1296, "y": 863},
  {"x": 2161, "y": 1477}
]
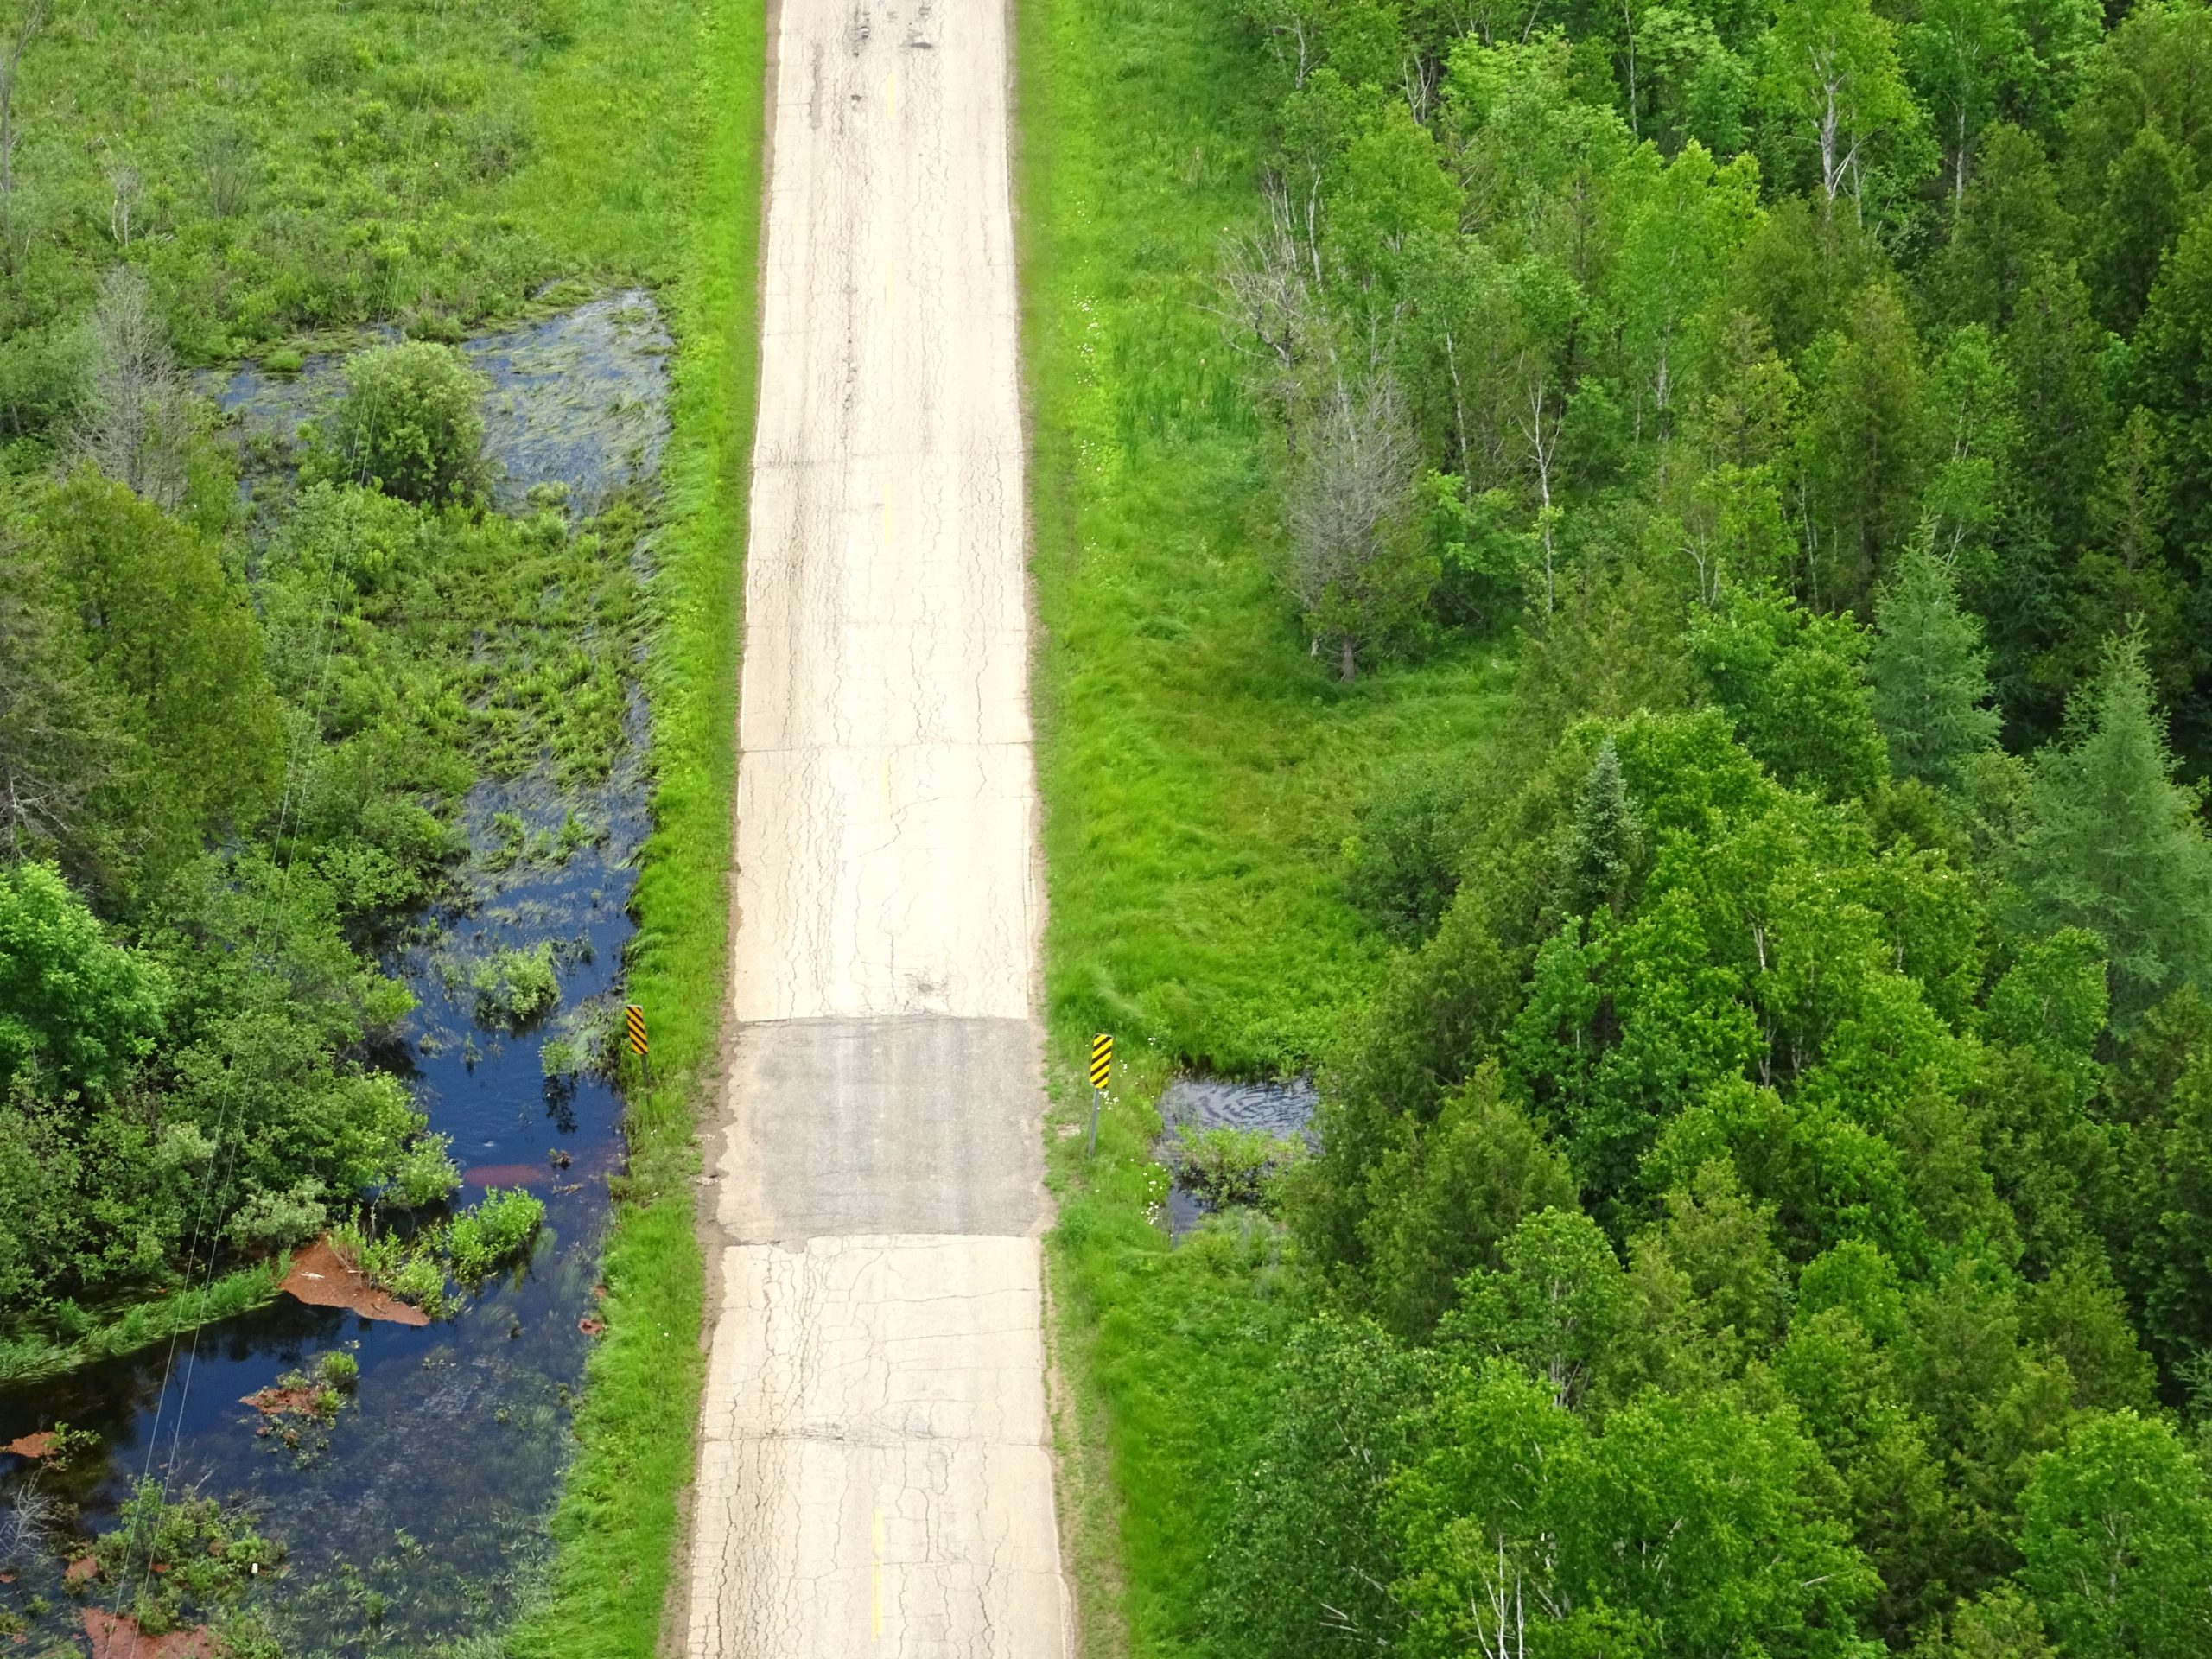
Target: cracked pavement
[{"x": 875, "y": 1461}]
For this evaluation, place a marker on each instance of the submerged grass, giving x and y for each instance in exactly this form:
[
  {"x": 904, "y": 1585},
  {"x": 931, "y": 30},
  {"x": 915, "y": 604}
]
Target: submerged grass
[
  {"x": 1201, "y": 772},
  {"x": 616, "y": 1529}
]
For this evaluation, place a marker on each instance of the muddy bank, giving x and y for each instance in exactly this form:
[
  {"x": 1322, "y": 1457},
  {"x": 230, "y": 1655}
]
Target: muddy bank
[{"x": 321, "y": 1278}]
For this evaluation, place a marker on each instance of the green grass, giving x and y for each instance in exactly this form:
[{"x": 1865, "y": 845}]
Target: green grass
[
  {"x": 443, "y": 166},
  {"x": 617, "y": 1526},
  {"x": 1200, "y": 769},
  {"x": 324, "y": 163},
  {"x": 1201, "y": 772},
  {"x": 29, "y": 1357},
  {"x": 1171, "y": 1358}
]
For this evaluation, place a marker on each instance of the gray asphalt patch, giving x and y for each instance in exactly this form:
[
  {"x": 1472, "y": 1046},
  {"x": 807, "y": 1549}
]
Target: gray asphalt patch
[{"x": 917, "y": 1125}]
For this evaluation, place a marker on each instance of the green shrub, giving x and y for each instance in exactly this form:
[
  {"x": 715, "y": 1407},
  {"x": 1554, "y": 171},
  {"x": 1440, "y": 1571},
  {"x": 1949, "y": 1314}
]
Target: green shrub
[
  {"x": 269, "y": 1221},
  {"x": 420, "y": 1279},
  {"x": 1234, "y": 1167},
  {"x": 514, "y": 988},
  {"x": 425, "y": 1175},
  {"x": 409, "y": 424},
  {"x": 338, "y": 1370},
  {"x": 72, "y": 1006},
  {"x": 1402, "y": 867},
  {"x": 496, "y": 1228}
]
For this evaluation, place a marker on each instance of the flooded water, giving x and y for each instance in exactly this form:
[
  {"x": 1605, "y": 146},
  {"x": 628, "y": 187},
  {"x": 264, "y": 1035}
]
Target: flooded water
[
  {"x": 578, "y": 398},
  {"x": 417, "y": 1515},
  {"x": 1282, "y": 1110},
  {"x": 424, "y": 1501}
]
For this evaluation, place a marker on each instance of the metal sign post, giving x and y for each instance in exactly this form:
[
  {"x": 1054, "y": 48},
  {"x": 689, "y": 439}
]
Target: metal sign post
[
  {"x": 633, "y": 1019},
  {"x": 1101, "y": 1068}
]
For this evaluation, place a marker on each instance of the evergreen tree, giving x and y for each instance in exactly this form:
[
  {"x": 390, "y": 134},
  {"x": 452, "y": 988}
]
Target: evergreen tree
[
  {"x": 1862, "y": 444},
  {"x": 1930, "y": 674},
  {"x": 1446, "y": 1199},
  {"x": 1602, "y": 844},
  {"x": 2008, "y": 218},
  {"x": 2056, "y": 350},
  {"x": 2145, "y": 205},
  {"x": 2114, "y": 844},
  {"x": 2174, "y": 354}
]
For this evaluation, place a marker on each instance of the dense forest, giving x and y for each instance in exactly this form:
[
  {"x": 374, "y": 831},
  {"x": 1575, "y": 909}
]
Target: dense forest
[
  {"x": 1768, "y": 1207},
  {"x": 238, "y": 723}
]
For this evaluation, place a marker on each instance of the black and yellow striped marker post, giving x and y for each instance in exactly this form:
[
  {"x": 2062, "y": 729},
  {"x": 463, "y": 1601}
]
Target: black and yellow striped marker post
[
  {"x": 633, "y": 1021},
  {"x": 1101, "y": 1068}
]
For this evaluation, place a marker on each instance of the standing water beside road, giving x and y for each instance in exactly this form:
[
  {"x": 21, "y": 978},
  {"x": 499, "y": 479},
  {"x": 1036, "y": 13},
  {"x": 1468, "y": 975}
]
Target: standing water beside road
[
  {"x": 1268, "y": 1112},
  {"x": 415, "y": 1514}
]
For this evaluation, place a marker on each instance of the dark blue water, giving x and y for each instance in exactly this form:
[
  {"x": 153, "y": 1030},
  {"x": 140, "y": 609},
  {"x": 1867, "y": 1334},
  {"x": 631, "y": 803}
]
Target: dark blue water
[
  {"x": 431, "y": 1489},
  {"x": 418, "y": 1517},
  {"x": 577, "y": 399}
]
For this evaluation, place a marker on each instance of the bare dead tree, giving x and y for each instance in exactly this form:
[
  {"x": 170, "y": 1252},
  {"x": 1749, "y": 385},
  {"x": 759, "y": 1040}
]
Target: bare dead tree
[
  {"x": 1541, "y": 409},
  {"x": 1273, "y": 278},
  {"x": 28, "y": 1520},
  {"x": 1419, "y": 75},
  {"x": 1344, "y": 506},
  {"x": 1291, "y": 37},
  {"x": 137, "y": 425},
  {"x": 124, "y": 184},
  {"x": 1500, "y": 1613},
  {"x": 28, "y": 25}
]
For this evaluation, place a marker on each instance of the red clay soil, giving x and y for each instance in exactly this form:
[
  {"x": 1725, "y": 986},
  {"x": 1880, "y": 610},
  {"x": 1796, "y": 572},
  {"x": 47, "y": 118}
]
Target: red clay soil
[
  {"x": 322, "y": 1278},
  {"x": 115, "y": 1635},
  {"x": 84, "y": 1567},
  {"x": 274, "y": 1403},
  {"x": 31, "y": 1445},
  {"x": 504, "y": 1174}
]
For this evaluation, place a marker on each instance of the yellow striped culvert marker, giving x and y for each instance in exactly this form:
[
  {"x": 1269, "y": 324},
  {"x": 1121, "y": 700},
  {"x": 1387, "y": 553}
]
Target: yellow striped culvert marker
[
  {"x": 1101, "y": 1068},
  {"x": 633, "y": 1021}
]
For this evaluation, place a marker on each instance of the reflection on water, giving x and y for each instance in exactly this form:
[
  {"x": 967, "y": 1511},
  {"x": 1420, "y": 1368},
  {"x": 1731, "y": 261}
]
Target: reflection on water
[
  {"x": 414, "y": 1517},
  {"x": 577, "y": 398},
  {"x": 1281, "y": 1109},
  {"x": 425, "y": 1500}
]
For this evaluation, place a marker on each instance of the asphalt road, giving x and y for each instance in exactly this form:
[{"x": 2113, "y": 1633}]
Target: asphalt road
[{"x": 875, "y": 1472}]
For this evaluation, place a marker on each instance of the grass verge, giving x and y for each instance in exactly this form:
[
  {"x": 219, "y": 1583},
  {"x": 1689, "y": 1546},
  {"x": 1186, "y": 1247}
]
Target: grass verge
[
  {"x": 1199, "y": 768},
  {"x": 616, "y": 1529},
  {"x": 1200, "y": 771}
]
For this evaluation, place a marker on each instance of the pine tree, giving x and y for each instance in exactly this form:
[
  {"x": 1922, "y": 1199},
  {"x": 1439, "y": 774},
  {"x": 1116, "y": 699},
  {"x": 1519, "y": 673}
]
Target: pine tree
[
  {"x": 2114, "y": 844},
  {"x": 1930, "y": 674},
  {"x": 1602, "y": 845}
]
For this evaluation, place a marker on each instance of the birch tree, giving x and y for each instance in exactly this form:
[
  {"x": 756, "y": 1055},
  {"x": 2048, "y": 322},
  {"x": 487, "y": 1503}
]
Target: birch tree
[{"x": 1832, "y": 84}]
